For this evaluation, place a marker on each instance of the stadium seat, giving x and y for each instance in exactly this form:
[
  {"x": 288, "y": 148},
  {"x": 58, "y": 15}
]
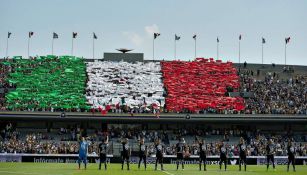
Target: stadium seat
[
  {"x": 124, "y": 84},
  {"x": 47, "y": 83},
  {"x": 200, "y": 85}
]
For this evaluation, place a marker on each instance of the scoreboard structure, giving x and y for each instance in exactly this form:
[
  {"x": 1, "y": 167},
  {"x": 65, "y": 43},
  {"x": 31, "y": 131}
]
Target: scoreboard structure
[{"x": 127, "y": 57}]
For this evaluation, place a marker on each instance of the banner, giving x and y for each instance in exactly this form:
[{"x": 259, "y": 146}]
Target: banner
[
  {"x": 168, "y": 159},
  {"x": 10, "y": 158}
]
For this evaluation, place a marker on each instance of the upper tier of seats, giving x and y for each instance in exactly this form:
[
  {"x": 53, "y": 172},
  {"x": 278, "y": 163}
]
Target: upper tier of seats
[
  {"x": 122, "y": 83},
  {"x": 274, "y": 94},
  {"x": 200, "y": 84},
  {"x": 4, "y": 71},
  {"x": 47, "y": 83},
  {"x": 51, "y": 83}
]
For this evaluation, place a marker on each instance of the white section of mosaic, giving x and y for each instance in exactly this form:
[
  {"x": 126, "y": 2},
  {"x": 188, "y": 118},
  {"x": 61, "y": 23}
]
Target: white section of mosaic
[{"x": 111, "y": 82}]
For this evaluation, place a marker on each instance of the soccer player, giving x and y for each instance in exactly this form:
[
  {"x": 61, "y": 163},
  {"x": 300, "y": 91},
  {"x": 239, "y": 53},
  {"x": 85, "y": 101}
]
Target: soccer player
[
  {"x": 142, "y": 152},
  {"x": 126, "y": 153},
  {"x": 103, "y": 150},
  {"x": 270, "y": 151},
  {"x": 243, "y": 151},
  {"x": 159, "y": 154},
  {"x": 202, "y": 153},
  {"x": 180, "y": 147},
  {"x": 83, "y": 149},
  {"x": 291, "y": 155},
  {"x": 223, "y": 155}
]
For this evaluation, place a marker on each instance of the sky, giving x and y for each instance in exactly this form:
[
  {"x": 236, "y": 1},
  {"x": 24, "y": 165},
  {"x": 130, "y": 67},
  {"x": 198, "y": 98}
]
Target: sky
[{"x": 131, "y": 24}]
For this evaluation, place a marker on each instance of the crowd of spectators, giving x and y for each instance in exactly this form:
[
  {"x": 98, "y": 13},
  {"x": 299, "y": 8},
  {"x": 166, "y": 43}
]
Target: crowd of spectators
[
  {"x": 4, "y": 85},
  {"x": 256, "y": 141},
  {"x": 255, "y": 147},
  {"x": 275, "y": 95},
  {"x": 123, "y": 83},
  {"x": 66, "y": 142},
  {"x": 12, "y": 141},
  {"x": 272, "y": 92}
]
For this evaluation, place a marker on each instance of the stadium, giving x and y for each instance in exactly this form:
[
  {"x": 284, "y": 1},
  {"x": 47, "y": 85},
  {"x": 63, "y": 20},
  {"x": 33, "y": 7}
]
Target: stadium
[{"x": 127, "y": 112}]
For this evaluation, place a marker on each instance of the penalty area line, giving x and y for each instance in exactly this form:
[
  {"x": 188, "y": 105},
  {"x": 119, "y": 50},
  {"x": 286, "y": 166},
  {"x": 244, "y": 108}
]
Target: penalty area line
[
  {"x": 168, "y": 173},
  {"x": 25, "y": 173}
]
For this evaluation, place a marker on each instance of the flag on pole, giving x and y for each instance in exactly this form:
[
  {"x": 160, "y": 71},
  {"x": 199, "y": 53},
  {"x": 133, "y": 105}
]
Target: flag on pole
[
  {"x": 74, "y": 34},
  {"x": 217, "y": 39},
  {"x": 156, "y": 35},
  {"x": 194, "y": 36},
  {"x": 55, "y": 36},
  {"x": 177, "y": 37},
  {"x": 95, "y": 36},
  {"x": 31, "y": 34},
  {"x": 240, "y": 37},
  {"x": 287, "y": 40},
  {"x": 263, "y": 40},
  {"x": 9, "y": 34}
]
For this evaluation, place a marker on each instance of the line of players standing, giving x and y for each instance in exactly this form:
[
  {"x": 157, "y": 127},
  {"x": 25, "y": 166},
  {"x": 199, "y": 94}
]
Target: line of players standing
[{"x": 182, "y": 152}]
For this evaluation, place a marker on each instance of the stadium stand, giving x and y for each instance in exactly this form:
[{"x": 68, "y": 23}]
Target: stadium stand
[
  {"x": 47, "y": 83},
  {"x": 114, "y": 85},
  {"x": 67, "y": 83},
  {"x": 275, "y": 93},
  {"x": 3, "y": 84},
  {"x": 64, "y": 140},
  {"x": 201, "y": 85}
]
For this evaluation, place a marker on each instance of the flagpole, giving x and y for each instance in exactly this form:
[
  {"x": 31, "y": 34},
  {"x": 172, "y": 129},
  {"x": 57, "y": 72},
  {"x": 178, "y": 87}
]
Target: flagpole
[
  {"x": 175, "y": 47},
  {"x": 52, "y": 45},
  {"x": 262, "y": 52},
  {"x": 72, "y": 45},
  {"x": 195, "y": 47},
  {"x": 153, "y": 48},
  {"x": 217, "y": 49},
  {"x": 29, "y": 46},
  {"x": 239, "y": 52},
  {"x": 285, "y": 53},
  {"x": 93, "y": 47},
  {"x": 7, "y": 46}
]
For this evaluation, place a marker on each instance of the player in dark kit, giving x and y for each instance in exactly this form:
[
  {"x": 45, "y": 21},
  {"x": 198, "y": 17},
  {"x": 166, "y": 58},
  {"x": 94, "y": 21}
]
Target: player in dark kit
[
  {"x": 223, "y": 155},
  {"x": 142, "y": 153},
  {"x": 243, "y": 151},
  {"x": 159, "y": 154},
  {"x": 270, "y": 151},
  {"x": 180, "y": 147},
  {"x": 202, "y": 154},
  {"x": 126, "y": 153},
  {"x": 291, "y": 155},
  {"x": 103, "y": 150}
]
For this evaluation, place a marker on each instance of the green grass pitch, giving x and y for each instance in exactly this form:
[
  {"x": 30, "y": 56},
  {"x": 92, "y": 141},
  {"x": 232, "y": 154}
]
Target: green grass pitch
[{"x": 115, "y": 169}]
